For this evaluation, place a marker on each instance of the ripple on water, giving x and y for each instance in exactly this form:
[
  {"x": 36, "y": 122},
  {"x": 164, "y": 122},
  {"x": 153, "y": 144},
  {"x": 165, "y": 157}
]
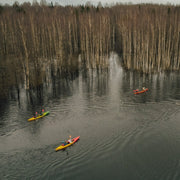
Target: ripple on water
[{"x": 139, "y": 134}]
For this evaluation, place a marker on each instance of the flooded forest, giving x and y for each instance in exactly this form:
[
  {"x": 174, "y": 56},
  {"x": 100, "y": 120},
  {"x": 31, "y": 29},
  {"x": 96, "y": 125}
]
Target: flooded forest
[{"x": 39, "y": 41}]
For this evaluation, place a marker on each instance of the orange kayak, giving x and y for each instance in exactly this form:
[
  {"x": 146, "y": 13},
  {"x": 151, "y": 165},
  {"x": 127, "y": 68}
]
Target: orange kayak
[{"x": 142, "y": 91}]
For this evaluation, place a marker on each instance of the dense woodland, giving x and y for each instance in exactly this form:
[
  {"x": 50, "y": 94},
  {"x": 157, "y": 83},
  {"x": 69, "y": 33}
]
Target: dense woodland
[{"x": 67, "y": 39}]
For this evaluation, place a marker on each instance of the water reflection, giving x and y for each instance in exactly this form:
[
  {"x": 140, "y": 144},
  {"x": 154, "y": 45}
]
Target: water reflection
[
  {"x": 3, "y": 111},
  {"x": 116, "y": 126},
  {"x": 111, "y": 89},
  {"x": 113, "y": 82}
]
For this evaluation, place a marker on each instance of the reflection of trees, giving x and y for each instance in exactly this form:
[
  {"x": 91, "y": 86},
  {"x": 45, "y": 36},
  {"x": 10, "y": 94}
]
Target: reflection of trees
[
  {"x": 162, "y": 86},
  {"x": 4, "y": 107},
  {"x": 96, "y": 82}
]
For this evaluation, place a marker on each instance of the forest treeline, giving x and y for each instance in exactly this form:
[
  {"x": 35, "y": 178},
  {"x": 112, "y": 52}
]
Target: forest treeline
[{"x": 146, "y": 37}]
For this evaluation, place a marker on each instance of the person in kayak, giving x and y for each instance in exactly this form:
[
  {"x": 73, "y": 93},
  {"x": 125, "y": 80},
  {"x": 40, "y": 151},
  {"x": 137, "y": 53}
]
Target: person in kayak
[
  {"x": 69, "y": 140},
  {"x": 65, "y": 143},
  {"x": 42, "y": 112},
  {"x": 35, "y": 115}
]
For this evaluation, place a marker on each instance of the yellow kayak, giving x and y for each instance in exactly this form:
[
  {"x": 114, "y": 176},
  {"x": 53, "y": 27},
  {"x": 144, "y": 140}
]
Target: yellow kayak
[
  {"x": 62, "y": 146},
  {"x": 34, "y": 118}
]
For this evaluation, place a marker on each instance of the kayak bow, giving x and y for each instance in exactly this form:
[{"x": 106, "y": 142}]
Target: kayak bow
[
  {"x": 34, "y": 118},
  {"x": 62, "y": 146}
]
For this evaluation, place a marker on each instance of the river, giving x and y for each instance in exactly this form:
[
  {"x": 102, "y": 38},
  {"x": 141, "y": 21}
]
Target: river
[{"x": 122, "y": 135}]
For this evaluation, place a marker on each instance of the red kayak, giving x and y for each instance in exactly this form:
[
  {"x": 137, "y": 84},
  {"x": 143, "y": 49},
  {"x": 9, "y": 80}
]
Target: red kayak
[
  {"x": 62, "y": 146},
  {"x": 139, "y": 92}
]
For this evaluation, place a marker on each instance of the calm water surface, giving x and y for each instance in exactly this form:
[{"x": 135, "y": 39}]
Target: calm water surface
[{"x": 122, "y": 136}]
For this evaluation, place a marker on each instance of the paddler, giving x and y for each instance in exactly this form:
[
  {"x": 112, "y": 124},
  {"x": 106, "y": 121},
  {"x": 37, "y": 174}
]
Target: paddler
[
  {"x": 69, "y": 140},
  {"x": 42, "y": 112}
]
